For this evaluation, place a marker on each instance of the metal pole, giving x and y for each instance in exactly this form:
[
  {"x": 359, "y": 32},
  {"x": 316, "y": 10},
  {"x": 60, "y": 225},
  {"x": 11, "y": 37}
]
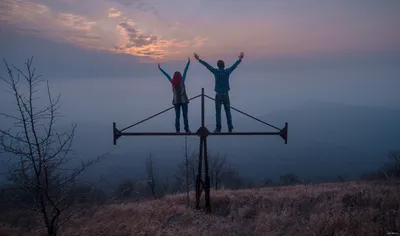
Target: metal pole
[
  {"x": 202, "y": 107},
  {"x": 286, "y": 130},
  {"x": 207, "y": 182},
  {"x": 199, "y": 182},
  {"x": 114, "y": 135},
  {"x": 204, "y": 138},
  {"x": 187, "y": 174},
  {"x": 198, "y": 179}
]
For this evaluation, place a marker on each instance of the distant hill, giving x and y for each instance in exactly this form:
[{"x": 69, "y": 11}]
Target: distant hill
[
  {"x": 329, "y": 139},
  {"x": 325, "y": 140}
]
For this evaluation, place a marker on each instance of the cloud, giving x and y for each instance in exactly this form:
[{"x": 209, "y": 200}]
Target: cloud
[
  {"x": 174, "y": 26},
  {"x": 147, "y": 8},
  {"x": 19, "y": 10},
  {"x": 141, "y": 5},
  {"x": 137, "y": 43},
  {"x": 134, "y": 37},
  {"x": 114, "y": 13},
  {"x": 37, "y": 19},
  {"x": 126, "y": 2},
  {"x": 183, "y": 44},
  {"x": 75, "y": 22},
  {"x": 113, "y": 31},
  {"x": 31, "y": 31},
  {"x": 199, "y": 41}
]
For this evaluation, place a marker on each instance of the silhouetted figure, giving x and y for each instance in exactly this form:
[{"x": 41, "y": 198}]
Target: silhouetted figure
[
  {"x": 222, "y": 89},
  {"x": 180, "y": 98}
]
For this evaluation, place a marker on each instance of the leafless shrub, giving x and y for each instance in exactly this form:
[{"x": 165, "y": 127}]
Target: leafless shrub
[
  {"x": 157, "y": 185},
  {"x": 38, "y": 157}
]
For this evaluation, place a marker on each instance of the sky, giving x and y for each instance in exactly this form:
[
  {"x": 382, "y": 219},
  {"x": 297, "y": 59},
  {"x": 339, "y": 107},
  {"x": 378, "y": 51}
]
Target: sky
[
  {"x": 173, "y": 30},
  {"x": 103, "y": 54}
]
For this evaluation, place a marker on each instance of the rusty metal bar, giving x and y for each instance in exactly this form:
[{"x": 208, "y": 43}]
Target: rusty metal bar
[
  {"x": 265, "y": 123},
  {"x": 155, "y": 134},
  {"x": 194, "y": 134},
  {"x": 154, "y": 115}
]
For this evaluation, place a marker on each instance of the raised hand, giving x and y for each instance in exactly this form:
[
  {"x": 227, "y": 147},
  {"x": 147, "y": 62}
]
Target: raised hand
[
  {"x": 241, "y": 55},
  {"x": 188, "y": 59},
  {"x": 159, "y": 67},
  {"x": 196, "y": 56}
]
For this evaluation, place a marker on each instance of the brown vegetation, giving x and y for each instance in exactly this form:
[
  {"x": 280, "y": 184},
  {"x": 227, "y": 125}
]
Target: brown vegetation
[{"x": 351, "y": 208}]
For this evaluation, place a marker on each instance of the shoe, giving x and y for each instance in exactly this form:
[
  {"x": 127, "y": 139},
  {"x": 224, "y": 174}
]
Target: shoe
[
  {"x": 177, "y": 132},
  {"x": 188, "y": 132},
  {"x": 217, "y": 131},
  {"x": 230, "y": 130}
]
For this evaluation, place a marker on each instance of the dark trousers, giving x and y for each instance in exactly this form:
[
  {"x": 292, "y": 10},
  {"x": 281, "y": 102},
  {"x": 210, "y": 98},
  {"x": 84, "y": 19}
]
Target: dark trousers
[
  {"x": 178, "y": 114},
  {"x": 219, "y": 100}
]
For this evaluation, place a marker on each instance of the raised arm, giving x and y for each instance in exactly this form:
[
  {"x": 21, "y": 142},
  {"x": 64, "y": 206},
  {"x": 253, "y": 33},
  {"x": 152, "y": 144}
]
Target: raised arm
[
  {"x": 186, "y": 69},
  {"x": 233, "y": 67},
  {"x": 210, "y": 68},
  {"x": 165, "y": 73}
]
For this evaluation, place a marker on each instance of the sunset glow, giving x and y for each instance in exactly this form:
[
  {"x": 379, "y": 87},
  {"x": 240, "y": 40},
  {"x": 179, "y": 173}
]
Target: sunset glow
[{"x": 167, "y": 31}]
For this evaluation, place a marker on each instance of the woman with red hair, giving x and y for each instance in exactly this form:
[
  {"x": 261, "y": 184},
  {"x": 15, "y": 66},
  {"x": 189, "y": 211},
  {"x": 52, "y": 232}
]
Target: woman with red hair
[{"x": 180, "y": 99}]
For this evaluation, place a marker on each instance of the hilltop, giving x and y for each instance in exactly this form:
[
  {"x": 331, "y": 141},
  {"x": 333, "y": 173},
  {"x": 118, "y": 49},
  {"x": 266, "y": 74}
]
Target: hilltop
[{"x": 350, "y": 208}]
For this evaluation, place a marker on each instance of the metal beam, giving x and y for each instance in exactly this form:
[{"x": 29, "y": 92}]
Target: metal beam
[
  {"x": 193, "y": 134},
  {"x": 155, "y": 115},
  {"x": 246, "y": 133},
  {"x": 155, "y": 134},
  {"x": 265, "y": 123}
]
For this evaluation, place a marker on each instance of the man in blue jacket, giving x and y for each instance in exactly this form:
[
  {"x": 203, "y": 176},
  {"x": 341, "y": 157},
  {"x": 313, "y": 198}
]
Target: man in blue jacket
[{"x": 222, "y": 89}]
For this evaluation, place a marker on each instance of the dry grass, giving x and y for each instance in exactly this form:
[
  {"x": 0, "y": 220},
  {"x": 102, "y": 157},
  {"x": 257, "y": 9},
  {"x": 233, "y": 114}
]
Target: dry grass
[{"x": 353, "y": 208}]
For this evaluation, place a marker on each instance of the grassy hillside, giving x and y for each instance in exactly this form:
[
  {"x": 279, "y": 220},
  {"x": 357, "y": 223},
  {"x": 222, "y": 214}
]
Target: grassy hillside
[{"x": 352, "y": 208}]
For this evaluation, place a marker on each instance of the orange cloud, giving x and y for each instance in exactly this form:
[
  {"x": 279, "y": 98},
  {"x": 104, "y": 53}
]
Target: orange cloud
[
  {"x": 136, "y": 42},
  {"x": 113, "y": 32},
  {"x": 75, "y": 22}
]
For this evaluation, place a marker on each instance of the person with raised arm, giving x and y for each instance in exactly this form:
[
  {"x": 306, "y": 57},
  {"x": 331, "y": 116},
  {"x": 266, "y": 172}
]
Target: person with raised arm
[
  {"x": 180, "y": 99},
  {"x": 221, "y": 89}
]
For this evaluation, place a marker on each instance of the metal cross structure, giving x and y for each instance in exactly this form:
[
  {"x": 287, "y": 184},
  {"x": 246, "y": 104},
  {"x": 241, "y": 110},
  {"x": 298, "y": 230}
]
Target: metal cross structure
[{"x": 202, "y": 132}]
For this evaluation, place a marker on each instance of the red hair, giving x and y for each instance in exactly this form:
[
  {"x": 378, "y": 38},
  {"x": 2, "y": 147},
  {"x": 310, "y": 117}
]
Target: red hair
[{"x": 177, "y": 79}]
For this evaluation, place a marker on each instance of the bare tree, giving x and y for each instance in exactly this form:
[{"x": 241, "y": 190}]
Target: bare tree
[
  {"x": 193, "y": 166},
  {"x": 185, "y": 174},
  {"x": 87, "y": 193},
  {"x": 267, "y": 182},
  {"x": 157, "y": 187},
  {"x": 395, "y": 164},
  {"x": 231, "y": 179},
  {"x": 38, "y": 156},
  {"x": 125, "y": 189},
  {"x": 218, "y": 165},
  {"x": 289, "y": 179},
  {"x": 130, "y": 189},
  {"x": 389, "y": 171}
]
